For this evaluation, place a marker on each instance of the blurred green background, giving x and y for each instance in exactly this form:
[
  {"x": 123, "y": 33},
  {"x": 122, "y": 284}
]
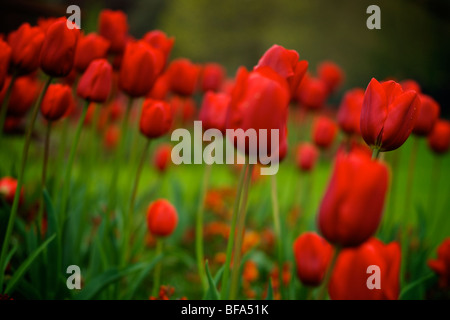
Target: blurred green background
[{"x": 413, "y": 41}]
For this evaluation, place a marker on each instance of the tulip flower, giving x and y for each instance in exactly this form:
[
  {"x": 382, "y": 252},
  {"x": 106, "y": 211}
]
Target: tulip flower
[
  {"x": 212, "y": 77},
  {"x": 441, "y": 265},
  {"x": 312, "y": 256},
  {"x": 5, "y": 57},
  {"x": 95, "y": 83},
  {"x": 427, "y": 115},
  {"x": 24, "y": 93},
  {"x": 58, "y": 50},
  {"x": 349, "y": 114},
  {"x": 45, "y": 23},
  {"x": 111, "y": 137},
  {"x": 160, "y": 88},
  {"x": 352, "y": 206},
  {"x": 57, "y": 100},
  {"x": 354, "y": 276},
  {"x": 312, "y": 93},
  {"x": 439, "y": 137},
  {"x": 183, "y": 109},
  {"x": 331, "y": 74},
  {"x": 113, "y": 26},
  {"x": 156, "y": 118},
  {"x": 388, "y": 115},
  {"x": 307, "y": 155},
  {"x": 26, "y": 44},
  {"x": 324, "y": 132},
  {"x": 213, "y": 112},
  {"x": 286, "y": 64},
  {"x": 89, "y": 48},
  {"x": 183, "y": 76},
  {"x": 159, "y": 40},
  {"x": 162, "y": 157},
  {"x": 8, "y": 187},
  {"x": 410, "y": 84}
]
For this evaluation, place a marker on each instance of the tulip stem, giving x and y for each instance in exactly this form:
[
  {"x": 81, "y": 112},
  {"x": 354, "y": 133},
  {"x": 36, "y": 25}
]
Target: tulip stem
[
  {"x": 15, "y": 206},
  {"x": 375, "y": 153},
  {"x": 240, "y": 235},
  {"x": 432, "y": 200},
  {"x": 157, "y": 274},
  {"x": 324, "y": 287},
  {"x": 226, "y": 272},
  {"x": 276, "y": 223},
  {"x": 410, "y": 181},
  {"x": 199, "y": 227},
  {"x": 44, "y": 172},
  {"x": 4, "y": 105}
]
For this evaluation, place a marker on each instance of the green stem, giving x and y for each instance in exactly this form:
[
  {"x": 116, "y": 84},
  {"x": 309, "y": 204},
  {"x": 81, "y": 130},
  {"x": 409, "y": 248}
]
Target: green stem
[
  {"x": 15, "y": 206},
  {"x": 276, "y": 223},
  {"x": 226, "y": 272},
  {"x": 157, "y": 274},
  {"x": 4, "y": 105},
  {"x": 199, "y": 227},
  {"x": 235, "y": 272},
  {"x": 410, "y": 179},
  {"x": 434, "y": 187},
  {"x": 375, "y": 153},
  {"x": 44, "y": 172},
  {"x": 324, "y": 287}
]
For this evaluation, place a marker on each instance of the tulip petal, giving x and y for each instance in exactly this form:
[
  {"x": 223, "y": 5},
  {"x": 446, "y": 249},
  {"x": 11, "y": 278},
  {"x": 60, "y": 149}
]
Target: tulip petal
[{"x": 373, "y": 113}]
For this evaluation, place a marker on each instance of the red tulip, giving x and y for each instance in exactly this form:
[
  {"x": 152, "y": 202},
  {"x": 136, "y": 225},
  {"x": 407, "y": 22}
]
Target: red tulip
[
  {"x": 111, "y": 137},
  {"x": 24, "y": 92},
  {"x": 439, "y": 138},
  {"x": 441, "y": 265},
  {"x": 89, "y": 48},
  {"x": 45, "y": 23},
  {"x": 113, "y": 26},
  {"x": 410, "y": 85},
  {"x": 388, "y": 115},
  {"x": 331, "y": 74},
  {"x": 58, "y": 50},
  {"x": 259, "y": 100},
  {"x": 8, "y": 187},
  {"x": 162, "y": 218},
  {"x": 160, "y": 89},
  {"x": 349, "y": 114},
  {"x": 427, "y": 115},
  {"x": 156, "y": 118},
  {"x": 213, "y": 112},
  {"x": 57, "y": 100},
  {"x": 183, "y": 76},
  {"x": 95, "y": 83},
  {"x": 312, "y": 256},
  {"x": 351, "y": 275},
  {"x": 307, "y": 155},
  {"x": 212, "y": 77},
  {"x": 183, "y": 109},
  {"x": 286, "y": 64},
  {"x": 159, "y": 40},
  {"x": 324, "y": 132},
  {"x": 26, "y": 44},
  {"x": 141, "y": 65},
  {"x": 5, "y": 57},
  {"x": 312, "y": 93},
  {"x": 352, "y": 206},
  {"x": 162, "y": 157}
]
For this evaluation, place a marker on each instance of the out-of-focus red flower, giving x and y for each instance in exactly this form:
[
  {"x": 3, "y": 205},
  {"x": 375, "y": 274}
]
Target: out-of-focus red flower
[
  {"x": 388, "y": 114},
  {"x": 113, "y": 26},
  {"x": 141, "y": 65},
  {"x": 111, "y": 137},
  {"x": 162, "y": 218},
  {"x": 5, "y": 57},
  {"x": 95, "y": 83},
  {"x": 330, "y": 73},
  {"x": 352, "y": 206},
  {"x": 312, "y": 256},
  {"x": 324, "y": 132},
  {"x": 45, "y": 23},
  {"x": 349, "y": 280},
  {"x": 162, "y": 157},
  {"x": 12, "y": 124},
  {"x": 250, "y": 272},
  {"x": 212, "y": 77},
  {"x": 159, "y": 40},
  {"x": 8, "y": 187},
  {"x": 160, "y": 89},
  {"x": 156, "y": 118},
  {"x": 427, "y": 115},
  {"x": 286, "y": 64},
  {"x": 89, "y": 48},
  {"x": 410, "y": 84},
  {"x": 312, "y": 93},
  {"x": 306, "y": 157},
  {"x": 183, "y": 109},
  {"x": 24, "y": 92},
  {"x": 57, "y": 100},
  {"x": 213, "y": 112},
  {"x": 183, "y": 76},
  {"x": 441, "y": 265},
  {"x": 259, "y": 100},
  {"x": 439, "y": 138},
  {"x": 26, "y": 44},
  {"x": 349, "y": 114},
  {"x": 58, "y": 50}
]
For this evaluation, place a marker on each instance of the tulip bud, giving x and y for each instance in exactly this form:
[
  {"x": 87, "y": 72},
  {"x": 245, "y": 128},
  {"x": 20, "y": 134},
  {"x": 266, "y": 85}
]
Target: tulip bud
[
  {"x": 352, "y": 206},
  {"x": 213, "y": 112},
  {"x": 427, "y": 115},
  {"x": 24, "y": 93},
  {"x": 324, "y": 132},
  {"x": 57, "y": 100},
  {"x": 89, "y": 48},
  {"x": 441, "y": 265},
  {"x": 349, "y": 114},
  {"x": 156, "y": 118},
  {"x": 8, "y": 187},
  {"x": 113, "y": 26},
  {"x": 162, "y": 157},
  {"x": 354, "y": 279},
  {"x": 58, "y": 50},
  {"x": 162, "y": 218},
  {"x": 159, "y": 40},
  {"x": 439, "y": 138},
  {"x": 388, "y": 115},
  {"x": 307, "y": 155},
  {"x": 183, "y": 76},
  {"x": 95, "y": 83},
  {"x": 5, "y": 57},
  {"x": 312, "y": 256},
  {"x": 212, "y": 77},
  {"x": 331, "y": 74}
]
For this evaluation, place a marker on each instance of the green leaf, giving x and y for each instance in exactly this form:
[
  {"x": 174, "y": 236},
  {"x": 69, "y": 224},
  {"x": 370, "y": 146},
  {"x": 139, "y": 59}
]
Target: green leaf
[
  {"x": 414, "y": 284},
  {"x": 213, "y": 293},
  {"x": 8, "y": 257},
  {"x": 25, "y": 265},
  {"x": 270, "y": 291},
  {"x": 142, "y": 276},
  {"x": 217, "y": 277}
]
